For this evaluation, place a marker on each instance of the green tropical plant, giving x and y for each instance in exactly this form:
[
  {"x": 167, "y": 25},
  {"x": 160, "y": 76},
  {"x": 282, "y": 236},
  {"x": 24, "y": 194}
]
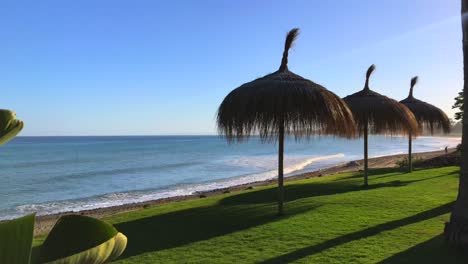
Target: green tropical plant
[
  {"x": 77, "y": 239},
  {"x": 9, "y": 126},
  {"x": 16, "y": 240},
  {"x": 74, "y": 239},
  {"x": 459, "y": 105},
  {"x": 15, "y": 235}
]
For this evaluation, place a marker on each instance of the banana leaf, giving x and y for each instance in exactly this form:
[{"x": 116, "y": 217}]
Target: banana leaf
[
  {"x": 104, "y": 253},
  {"x": 119, "y": 246},
  {"x": 77, "y": 239},
  {"x": 9, "y": 126},
  {"x": 16, "y": 240}
]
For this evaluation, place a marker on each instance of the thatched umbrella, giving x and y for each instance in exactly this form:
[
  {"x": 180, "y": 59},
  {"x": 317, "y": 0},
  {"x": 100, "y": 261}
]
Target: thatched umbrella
[
  {"x": 427, "y": 116},
  {"x": 378, "y": 114},
  {"x": 283, "y": 103},
  {"x": 9, "y": 126}
]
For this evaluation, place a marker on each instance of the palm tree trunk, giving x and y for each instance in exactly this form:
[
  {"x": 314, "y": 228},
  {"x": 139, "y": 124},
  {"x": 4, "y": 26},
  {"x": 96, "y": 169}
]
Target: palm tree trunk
[
  {"x": 280, "y": 169},
  {"x": 456, "y": 231},
  {"x": 410, "y": 159},
  {"x": 365, "y": 155}
]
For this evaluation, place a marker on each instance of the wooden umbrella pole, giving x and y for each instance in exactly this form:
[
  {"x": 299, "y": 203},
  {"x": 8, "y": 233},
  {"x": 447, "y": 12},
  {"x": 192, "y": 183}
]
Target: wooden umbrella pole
[
  {"x": 410, "y": 160},
  {"x": 280, "y": 168},
  {"x": 365, "y": 154}
]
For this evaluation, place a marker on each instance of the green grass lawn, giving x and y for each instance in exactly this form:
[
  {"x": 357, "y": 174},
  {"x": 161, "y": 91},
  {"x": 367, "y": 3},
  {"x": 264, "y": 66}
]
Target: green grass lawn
[{"x": 333, "y": 219}]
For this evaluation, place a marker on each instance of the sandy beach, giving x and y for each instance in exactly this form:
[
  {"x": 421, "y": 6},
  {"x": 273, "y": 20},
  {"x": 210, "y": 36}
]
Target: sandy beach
[{"x": 44, "y": 223}]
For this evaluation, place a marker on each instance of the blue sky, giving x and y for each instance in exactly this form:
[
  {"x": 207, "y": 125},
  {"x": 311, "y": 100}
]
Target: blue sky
[{"x": 114, "y": 67}]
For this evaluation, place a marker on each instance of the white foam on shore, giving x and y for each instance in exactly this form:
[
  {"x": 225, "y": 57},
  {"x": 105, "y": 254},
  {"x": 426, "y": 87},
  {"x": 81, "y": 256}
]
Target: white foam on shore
[{"x": 116, "y": 199}]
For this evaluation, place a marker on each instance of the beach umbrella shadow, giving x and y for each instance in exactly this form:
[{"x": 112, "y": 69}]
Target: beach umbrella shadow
[
  {"x": 314, "y": 189},
  {"x": 362, "y": 234},
  {"x": 182, "y": 227},
  {"x": 434, "y": 250}
]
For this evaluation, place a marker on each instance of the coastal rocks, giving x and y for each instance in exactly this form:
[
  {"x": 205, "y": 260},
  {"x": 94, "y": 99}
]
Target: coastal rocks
[
  {"x": 451, "y": 159},
  {"x": 352, "y": 164}
]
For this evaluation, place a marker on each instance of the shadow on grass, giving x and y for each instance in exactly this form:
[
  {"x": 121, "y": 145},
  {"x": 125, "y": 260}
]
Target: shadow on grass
[
  {"x": 434, "y": 250},
  {"x": 305, "y": 190},
  {"x": 371, "y": 231},
  {"x": 235, "y": 213},
  {"x": 374, "y": 172},
  {"x": 191, "y": 225}
]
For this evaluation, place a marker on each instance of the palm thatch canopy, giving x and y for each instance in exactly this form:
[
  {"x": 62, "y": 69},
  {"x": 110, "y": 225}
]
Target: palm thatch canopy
[
  {"x": 427, "y": 115},
  {"x": 382, "y": 114},
  {"x": 283, "y": 98},
  {"x": 9, "y": 126}
]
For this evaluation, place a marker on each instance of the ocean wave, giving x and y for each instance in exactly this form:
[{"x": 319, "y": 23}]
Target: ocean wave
[
  {"x": 34, "y": 164},
  {"x": 305, "y": 163},
  {"x": 269, "y": 162},
  {"x": 99, "y": 173},
  {"x": 116, "y": 199}
]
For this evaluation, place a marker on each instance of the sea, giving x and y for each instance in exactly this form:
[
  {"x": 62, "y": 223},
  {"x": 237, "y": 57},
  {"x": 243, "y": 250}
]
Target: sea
[{"x": 50, "y": 175}]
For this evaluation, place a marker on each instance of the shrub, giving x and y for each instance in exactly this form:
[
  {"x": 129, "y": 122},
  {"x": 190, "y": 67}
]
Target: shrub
[{"x": 404, "y": 162}]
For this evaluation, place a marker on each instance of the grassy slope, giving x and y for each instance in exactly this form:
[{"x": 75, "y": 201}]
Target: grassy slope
[{"x": 398, "y": 219}]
